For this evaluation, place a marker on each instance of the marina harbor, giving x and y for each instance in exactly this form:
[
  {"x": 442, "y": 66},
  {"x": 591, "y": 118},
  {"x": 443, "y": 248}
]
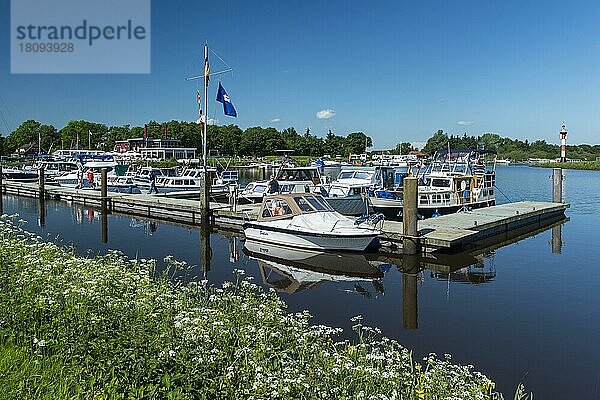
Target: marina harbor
[
  {"x": 334, "y": 200},
  {"x": 453, "y": 231}
]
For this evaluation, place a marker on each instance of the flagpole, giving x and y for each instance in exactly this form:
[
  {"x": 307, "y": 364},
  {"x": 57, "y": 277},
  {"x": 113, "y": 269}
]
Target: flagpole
[{"x": 205, "y": 126}]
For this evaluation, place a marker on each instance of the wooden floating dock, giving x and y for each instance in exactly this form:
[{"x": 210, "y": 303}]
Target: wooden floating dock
[{"x": 454, "y": 232}]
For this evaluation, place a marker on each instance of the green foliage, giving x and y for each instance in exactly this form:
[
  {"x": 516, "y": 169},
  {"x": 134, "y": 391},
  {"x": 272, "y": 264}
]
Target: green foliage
[
  {"x": 227, "y": 140},
  {"x": 357, "y": 143},
  {"x": 586, "y": 165},
  {"x": 28, "y": 132},
  {"x": 404, "y": 148},
  {"x": 78, "y": 132},
  {"x": 512, "y": 149},
  {"x": 107, "y": 327}
]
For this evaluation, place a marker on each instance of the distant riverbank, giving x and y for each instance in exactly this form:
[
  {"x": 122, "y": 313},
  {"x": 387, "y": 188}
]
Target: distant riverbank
[{"x": 584, "y": 165}]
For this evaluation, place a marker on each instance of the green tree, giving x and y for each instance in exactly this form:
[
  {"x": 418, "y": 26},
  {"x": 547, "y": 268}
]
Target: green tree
[
  {"x": 404, "y": 148},
  {"x": 29, "y": 132},
  {"x": 438, "y": 141},
  {"x": 77, "y": 133},
  {"x": 333, "y": 144},
  {"x": 357, "y": 143}
]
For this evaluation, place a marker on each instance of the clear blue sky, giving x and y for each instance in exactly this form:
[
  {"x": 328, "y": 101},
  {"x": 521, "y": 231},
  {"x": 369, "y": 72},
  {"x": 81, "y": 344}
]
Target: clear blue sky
[{"x": 397, "y": 70}]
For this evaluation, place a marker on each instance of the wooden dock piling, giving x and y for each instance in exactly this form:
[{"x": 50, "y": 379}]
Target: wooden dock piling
[
  {"x": 410, "y": 242},
  {"x": 205, "y": 196},
  {"x": 41, "y": 181},
  {"x": 557, "y": 179},
  {"x": 103, "y": 184}
]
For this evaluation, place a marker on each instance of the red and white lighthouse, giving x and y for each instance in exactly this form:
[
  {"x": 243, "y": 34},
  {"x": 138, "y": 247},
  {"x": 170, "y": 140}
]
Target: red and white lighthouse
[{"x": 563, "y": 144}]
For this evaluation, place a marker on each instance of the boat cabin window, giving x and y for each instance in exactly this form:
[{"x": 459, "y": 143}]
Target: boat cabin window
[
  {"x": 345, "y": 175},
  {"x": 440, "y": 182},
  {"x": 276, "y": 208}
]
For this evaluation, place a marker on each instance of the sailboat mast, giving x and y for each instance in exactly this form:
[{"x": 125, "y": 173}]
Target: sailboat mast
[{"x": 206, "y": 73}]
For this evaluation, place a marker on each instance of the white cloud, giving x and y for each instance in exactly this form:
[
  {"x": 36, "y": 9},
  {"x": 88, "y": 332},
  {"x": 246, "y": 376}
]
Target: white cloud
[
  {"x": 442, "y": 100},
  {"x": 275, "y": 120},
  {"x": 211, "y": 121},
  {"x": 326, "y": 114},
  {"x": 465, "y": 123}
]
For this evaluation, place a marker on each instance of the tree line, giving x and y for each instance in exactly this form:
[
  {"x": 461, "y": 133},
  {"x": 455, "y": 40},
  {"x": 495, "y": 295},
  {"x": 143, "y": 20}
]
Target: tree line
[
  {"x": 512, "y": 149},
  {"x": 225, "y": 139},
  {"x": 258, "y": 141}
]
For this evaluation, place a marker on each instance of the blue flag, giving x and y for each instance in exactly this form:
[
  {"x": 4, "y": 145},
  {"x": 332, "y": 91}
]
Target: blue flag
[{"x": 223, "y": 97}]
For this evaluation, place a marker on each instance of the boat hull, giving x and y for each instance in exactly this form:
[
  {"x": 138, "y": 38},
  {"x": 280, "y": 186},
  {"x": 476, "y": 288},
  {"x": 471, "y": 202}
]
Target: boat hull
[
  {"x": 393, "y": 209},
  {"x": 308, "y": 240}
]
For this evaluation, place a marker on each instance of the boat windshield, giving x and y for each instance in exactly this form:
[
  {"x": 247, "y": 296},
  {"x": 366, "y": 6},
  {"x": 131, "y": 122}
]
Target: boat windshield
[
  {"x": 324, "y": 202},
  {"x": 309, "y": 204},
  {"x": 363, "y": 175},
  {"x": 345, "y": 175},
  {"x": 297, "y": 174}
]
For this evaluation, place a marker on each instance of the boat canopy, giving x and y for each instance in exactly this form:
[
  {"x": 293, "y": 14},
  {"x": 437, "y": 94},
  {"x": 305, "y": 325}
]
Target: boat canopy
[{"x": 283, "y": 206}]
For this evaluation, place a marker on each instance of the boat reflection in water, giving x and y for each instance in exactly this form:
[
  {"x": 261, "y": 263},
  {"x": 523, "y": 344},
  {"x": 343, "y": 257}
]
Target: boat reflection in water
[
  {"x": 476, "y": 273},
  {"x": 294, "y": 270}
]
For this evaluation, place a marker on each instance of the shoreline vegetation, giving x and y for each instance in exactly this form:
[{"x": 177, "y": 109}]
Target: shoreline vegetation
[
  {"x": 107, "y": 327},
  {"x": 258, "y": 141},
  {"x": 582, "y": 165}
]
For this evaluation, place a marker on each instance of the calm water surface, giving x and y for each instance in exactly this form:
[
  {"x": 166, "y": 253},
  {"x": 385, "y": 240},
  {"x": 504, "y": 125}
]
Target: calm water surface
[{"x": 534, "y": 319}]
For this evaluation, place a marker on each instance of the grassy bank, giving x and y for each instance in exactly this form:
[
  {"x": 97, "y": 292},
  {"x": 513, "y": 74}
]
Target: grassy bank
[
  {"x": 105, "y": 327},
  {"x": 584, "y": 165}
]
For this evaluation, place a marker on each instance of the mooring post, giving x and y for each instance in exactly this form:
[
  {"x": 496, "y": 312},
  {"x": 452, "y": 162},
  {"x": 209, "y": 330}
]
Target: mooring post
[
  {"x": 205, "y": 196},
  {"x": 103, "y": 185},
  {"x": 41, "y": 181},
  {"x": 233, "y": 193},
  {"x": 42, "y": 198},
  {"x": 104, "y": 203},
  {"x": 410, "y": 269},
  {"x": 410, "y": 243},
  {"x": 557, "y": 178}
]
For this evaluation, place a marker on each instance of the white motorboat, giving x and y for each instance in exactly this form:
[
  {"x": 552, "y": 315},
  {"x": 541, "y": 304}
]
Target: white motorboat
[
  {"x": 306, "y": 220},
  {"x": 253, "y": 192},
  {"x": 91, "y": 169},
  {"x": 455, "y": 180},
  {"x": 348, "y": 193},
  {"x": 19, "y": 175},
  {"x": 54, "y": 169},
  {"x": 290, "y": 180},
  {"x": 190, "y": 179},
  {"x": 122, "y": 184}
]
